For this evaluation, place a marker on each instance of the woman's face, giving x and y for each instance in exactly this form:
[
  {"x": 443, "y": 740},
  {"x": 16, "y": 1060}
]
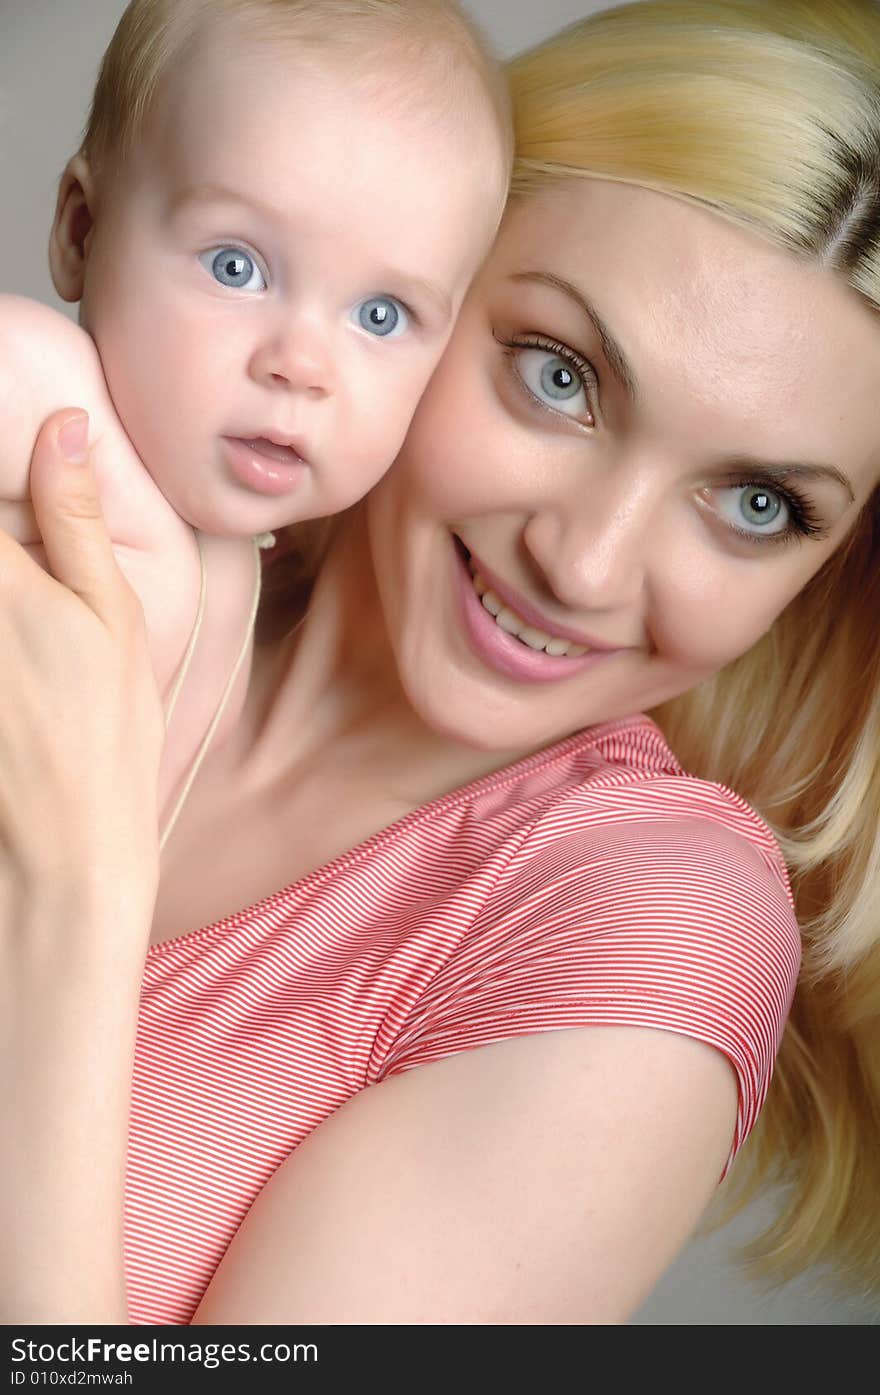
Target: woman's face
[{"x": 649, "y": 431}]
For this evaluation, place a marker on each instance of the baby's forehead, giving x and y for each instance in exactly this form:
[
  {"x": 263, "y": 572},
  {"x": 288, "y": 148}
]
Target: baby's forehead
[
  {"x": 414, "y": 83},
  {"x": 174, "y": 72},
  {"x": 353, "y": 216},
  {"x": 272, "y": 118}
]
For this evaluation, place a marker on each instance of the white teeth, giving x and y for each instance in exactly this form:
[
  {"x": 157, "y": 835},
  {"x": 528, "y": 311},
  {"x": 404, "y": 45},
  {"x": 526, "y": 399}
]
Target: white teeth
[
  {"x": 535, "y": 639},
  {"x": 514, "y": 624},
  {"x": 509, "y": 621}
]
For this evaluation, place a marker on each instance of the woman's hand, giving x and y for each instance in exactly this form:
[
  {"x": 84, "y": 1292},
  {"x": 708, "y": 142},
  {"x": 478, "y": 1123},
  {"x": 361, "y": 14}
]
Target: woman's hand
[
  {"x": 80, "y": 720},
  {"x": 80, "y": 740}
]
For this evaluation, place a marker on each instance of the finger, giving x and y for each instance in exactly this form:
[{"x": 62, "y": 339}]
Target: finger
[{"x": 67, "y": 508}]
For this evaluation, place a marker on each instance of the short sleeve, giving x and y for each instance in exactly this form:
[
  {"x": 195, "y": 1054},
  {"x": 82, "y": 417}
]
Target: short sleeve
[{"x": 682, "y": 923}]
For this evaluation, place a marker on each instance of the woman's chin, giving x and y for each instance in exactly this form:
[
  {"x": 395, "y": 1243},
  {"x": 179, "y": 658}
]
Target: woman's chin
[{"x": 472, "y": 715}]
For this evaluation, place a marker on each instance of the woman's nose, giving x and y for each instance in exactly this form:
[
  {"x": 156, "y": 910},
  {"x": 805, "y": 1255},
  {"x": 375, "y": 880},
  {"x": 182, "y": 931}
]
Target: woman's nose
[
  {"x": 593, "y": 552},
  {"x": 297, "y": 357}
]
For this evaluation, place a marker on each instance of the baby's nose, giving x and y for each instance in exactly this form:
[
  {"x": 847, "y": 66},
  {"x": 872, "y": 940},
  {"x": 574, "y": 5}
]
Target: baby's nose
[{"x": 296, "y": 357}]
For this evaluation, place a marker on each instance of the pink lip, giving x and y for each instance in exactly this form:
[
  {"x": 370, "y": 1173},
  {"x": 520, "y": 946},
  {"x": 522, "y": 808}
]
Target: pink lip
[
  {"x": 265, "y": 465},
  {"x": 282, "y": 441},
  {"x": 514, "y": 601},
  {"x": 503, "y": 652}
]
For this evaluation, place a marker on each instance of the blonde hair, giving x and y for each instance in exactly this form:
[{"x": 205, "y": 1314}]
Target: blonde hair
[
  {"x": 444, "y": 59},
  {"x": 767, "y": 112}
]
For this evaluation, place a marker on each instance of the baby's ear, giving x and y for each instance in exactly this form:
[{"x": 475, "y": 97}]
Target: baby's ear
[{"x": 72, "y": 228}]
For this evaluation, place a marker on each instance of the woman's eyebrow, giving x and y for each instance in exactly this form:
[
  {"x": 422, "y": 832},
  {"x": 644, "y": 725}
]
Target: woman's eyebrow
[
  {"x": 617, "y": 360},
  {"x": 619, "y": 365},
  {"x": 783, "y": 470}
]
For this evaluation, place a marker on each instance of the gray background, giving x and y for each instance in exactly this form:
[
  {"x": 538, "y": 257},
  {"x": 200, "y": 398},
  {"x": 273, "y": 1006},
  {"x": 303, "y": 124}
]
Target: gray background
[{"x": 49, "y": 54}]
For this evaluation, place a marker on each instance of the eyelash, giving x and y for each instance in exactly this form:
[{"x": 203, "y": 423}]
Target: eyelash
[
  {"x": 582, "y": 366},
  {"x": 804, "y": 520}
]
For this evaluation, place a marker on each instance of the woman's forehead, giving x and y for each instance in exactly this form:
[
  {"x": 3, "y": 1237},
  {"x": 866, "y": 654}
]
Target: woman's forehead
[{"x": 642, "y": 235}]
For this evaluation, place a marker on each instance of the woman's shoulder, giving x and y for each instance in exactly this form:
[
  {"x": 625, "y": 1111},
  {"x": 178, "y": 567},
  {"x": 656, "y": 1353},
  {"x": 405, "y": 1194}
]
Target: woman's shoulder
[
  {"x": 633, "y": 894},
  {"x": 621, "y": 780},
  {"x": 603, "y": 856},
  {"x": 637, "y": 863}
]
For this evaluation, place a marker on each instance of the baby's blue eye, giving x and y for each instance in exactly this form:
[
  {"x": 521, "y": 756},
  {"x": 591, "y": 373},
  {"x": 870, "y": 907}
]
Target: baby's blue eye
[
  {"x": 553, "y": 380},
  {"x": 233, "y": 266},
  {"x": 382, "y": 316}
]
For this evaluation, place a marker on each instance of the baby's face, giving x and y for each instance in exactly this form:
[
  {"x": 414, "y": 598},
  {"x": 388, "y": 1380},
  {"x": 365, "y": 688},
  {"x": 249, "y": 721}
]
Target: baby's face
[{"x": 272, "y": 282}]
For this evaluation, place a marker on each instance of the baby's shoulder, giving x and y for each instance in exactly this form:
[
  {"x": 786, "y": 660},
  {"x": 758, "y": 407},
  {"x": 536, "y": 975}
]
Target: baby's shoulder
[
  {"x": 48, "y": 362},
  {"x": 46, "y": 341}
]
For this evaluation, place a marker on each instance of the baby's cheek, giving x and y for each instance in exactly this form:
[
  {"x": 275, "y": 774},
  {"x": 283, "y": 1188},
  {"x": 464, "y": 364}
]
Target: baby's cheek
[
  {"x": 357, "y": 460},
  {"x": 376, "y": 440}
]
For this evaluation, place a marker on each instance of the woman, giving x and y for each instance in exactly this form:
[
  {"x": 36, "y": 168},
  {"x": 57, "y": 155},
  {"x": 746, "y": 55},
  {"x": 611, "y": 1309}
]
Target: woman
[{"x": 521, "y": 993}]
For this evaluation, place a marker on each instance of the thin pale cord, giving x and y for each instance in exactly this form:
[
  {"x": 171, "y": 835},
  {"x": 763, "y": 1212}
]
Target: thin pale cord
[
  {"x": 191, "y": 646},
  {"x": 230, "y": 683}
]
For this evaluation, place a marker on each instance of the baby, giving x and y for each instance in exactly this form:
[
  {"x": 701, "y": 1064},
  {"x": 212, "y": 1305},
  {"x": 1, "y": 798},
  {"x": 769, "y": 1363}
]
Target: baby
[{"x": 270, "y": 226}]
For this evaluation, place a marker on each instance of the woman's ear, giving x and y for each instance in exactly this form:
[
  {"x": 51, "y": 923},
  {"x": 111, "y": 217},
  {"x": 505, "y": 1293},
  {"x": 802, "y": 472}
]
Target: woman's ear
[{"x": 72, "y": 228}]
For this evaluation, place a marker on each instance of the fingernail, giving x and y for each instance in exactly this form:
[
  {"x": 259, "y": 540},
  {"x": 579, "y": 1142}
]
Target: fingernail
[{"x": 73, "y": 438}]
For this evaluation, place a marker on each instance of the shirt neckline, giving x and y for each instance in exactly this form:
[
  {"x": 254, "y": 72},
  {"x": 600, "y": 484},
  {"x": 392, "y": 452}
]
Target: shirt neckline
[{"x": 508, "y": 774}]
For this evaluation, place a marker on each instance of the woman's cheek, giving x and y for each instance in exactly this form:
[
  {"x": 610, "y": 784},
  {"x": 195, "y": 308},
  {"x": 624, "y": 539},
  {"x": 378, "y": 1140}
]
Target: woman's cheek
[
  {"x": 458, "y": 450},
  {"x": 700, "y": 625}
]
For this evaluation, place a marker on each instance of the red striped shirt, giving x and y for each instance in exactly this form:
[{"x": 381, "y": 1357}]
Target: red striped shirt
[{"x": 593, "y": 883}]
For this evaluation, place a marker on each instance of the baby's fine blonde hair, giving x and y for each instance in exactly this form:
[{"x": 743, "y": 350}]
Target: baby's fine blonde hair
[
  {"x": 429, "y": 49},
  {"x": 767, "y": 112}
]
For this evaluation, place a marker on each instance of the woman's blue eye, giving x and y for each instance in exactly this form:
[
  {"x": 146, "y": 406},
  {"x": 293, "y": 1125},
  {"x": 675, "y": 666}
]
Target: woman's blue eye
[
  {"x": 233, "y": 266},
  {"x": 757, "y": 507},
  {"x": 382, "y": 316},
  {"x": 554, "y": 381}
]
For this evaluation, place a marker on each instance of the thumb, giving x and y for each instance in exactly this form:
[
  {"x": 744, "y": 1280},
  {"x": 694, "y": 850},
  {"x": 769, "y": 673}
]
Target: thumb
[{"x": 64, "y": 494}]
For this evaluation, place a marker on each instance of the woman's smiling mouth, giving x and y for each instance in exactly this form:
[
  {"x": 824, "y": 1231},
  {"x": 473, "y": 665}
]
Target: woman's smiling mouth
[
  {"x": 506, "y": 639},
  {"x": 514, "y": 624}
]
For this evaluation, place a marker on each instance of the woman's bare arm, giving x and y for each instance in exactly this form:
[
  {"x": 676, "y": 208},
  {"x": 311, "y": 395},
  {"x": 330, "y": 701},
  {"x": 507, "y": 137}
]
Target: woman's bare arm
[
  {"x": 80, "y": 737},
  {"x": 546, "y": 1179}
]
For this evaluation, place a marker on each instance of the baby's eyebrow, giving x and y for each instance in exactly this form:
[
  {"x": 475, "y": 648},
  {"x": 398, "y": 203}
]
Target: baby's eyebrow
[
  {"x": 388, "y": 279},
  {"x": 416, "y": 288},
  {"x": 216, "y": 193}
]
